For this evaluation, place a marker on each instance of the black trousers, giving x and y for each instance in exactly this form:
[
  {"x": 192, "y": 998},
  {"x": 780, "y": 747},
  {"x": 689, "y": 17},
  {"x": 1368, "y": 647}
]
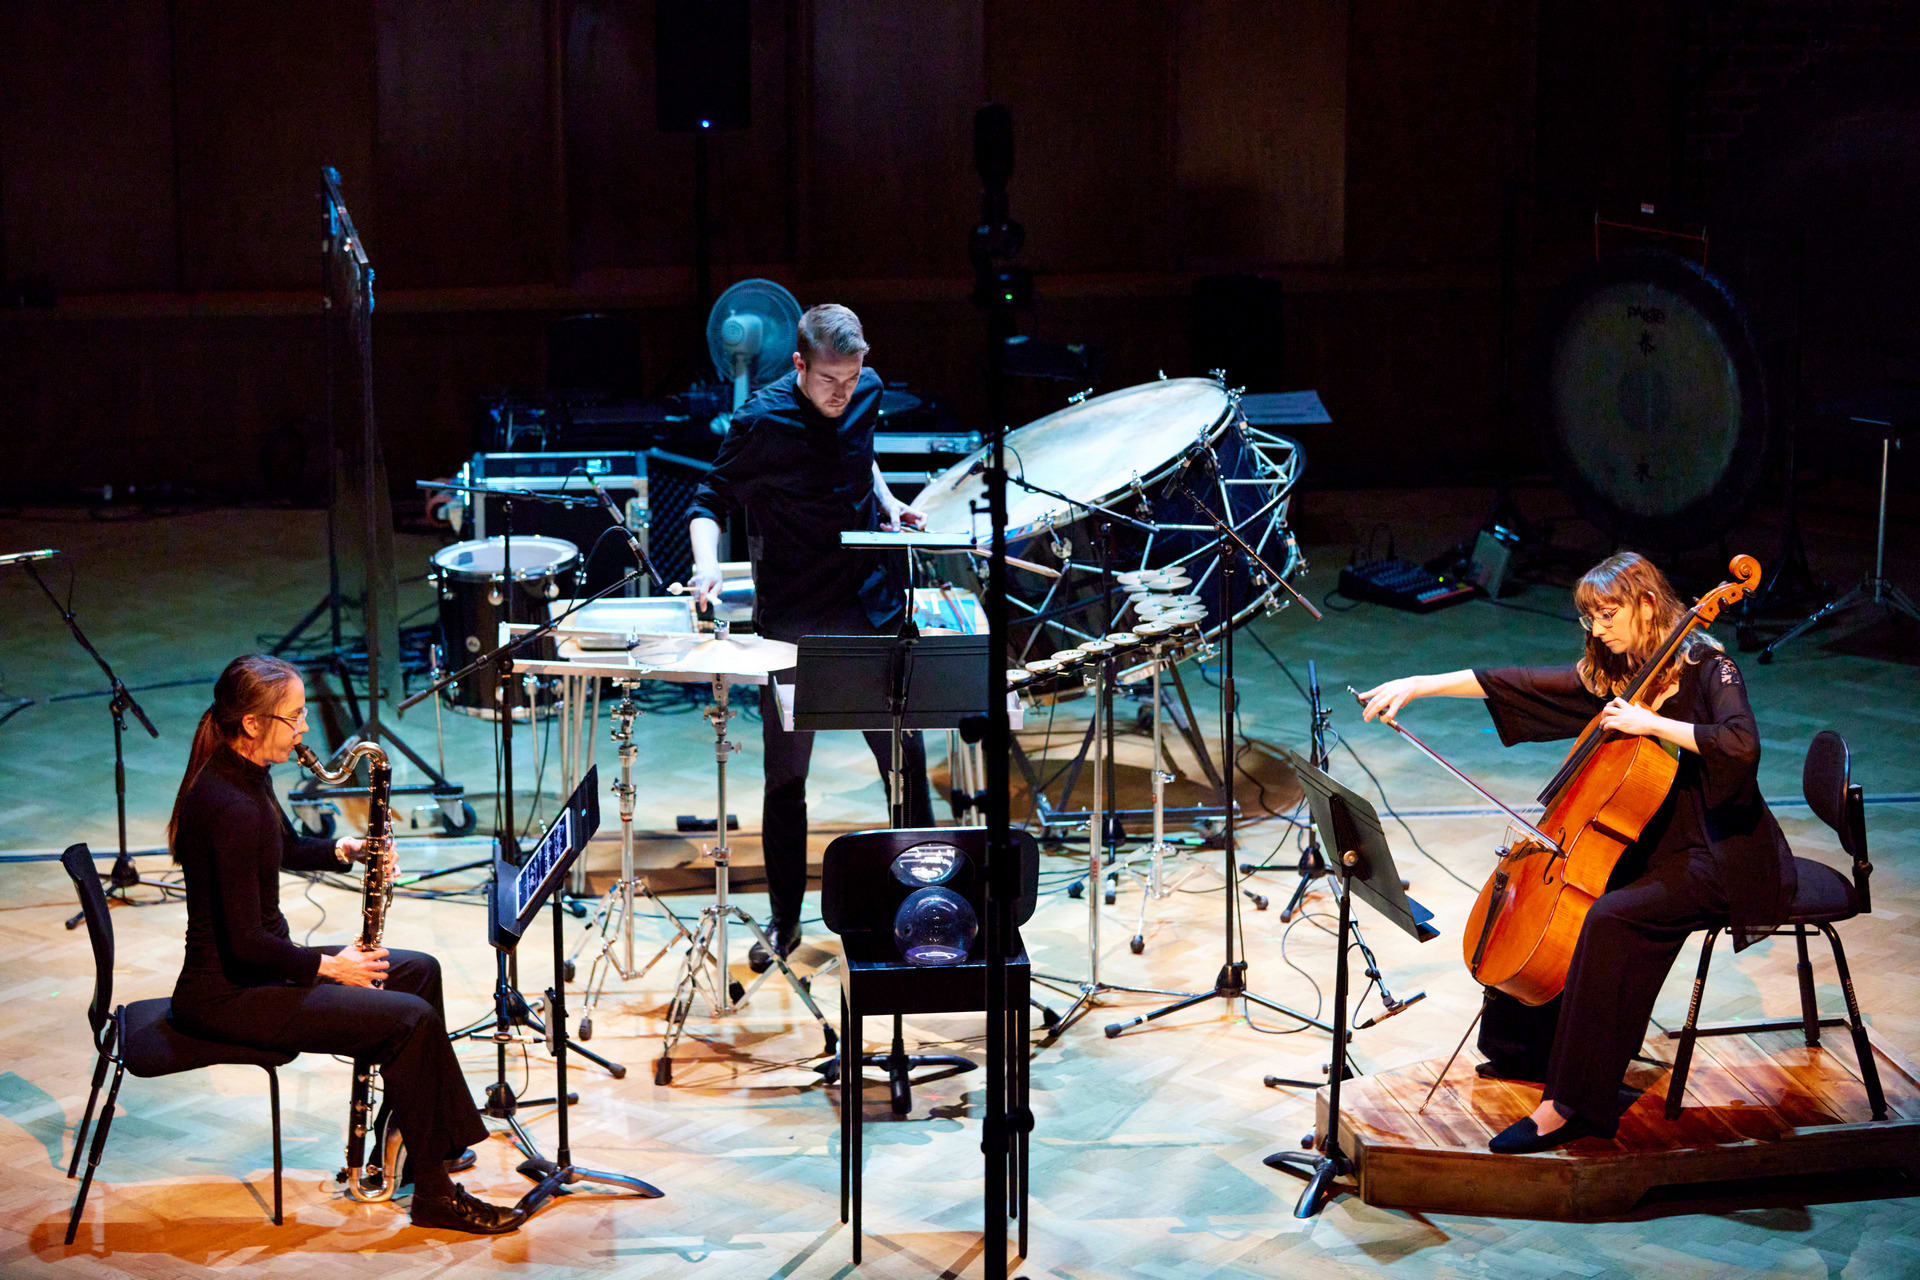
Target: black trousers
[
  {"x": 1586, "y": 1038},
  {"x": 401, "y": 1026},
  {"x": 783, "y": 807}
]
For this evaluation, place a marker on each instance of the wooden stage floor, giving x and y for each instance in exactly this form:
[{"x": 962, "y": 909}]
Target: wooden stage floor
[
  {"x": 1147, "y": 1155},
  {"x": 1757, "y": 1105}
]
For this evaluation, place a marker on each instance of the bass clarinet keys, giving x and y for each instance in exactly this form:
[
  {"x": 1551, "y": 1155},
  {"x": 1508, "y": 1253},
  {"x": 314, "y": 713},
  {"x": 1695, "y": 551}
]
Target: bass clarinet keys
[{"x": 366, "y": 1179}]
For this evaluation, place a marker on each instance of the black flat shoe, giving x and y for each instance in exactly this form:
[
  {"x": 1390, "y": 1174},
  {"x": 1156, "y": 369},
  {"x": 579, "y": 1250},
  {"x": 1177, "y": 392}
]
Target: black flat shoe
[
  {"x": 1511, "y": 1069},
  {"x": 785, "y": 935},
  {"x": 1523, "y": 1137},
  {"x": 462, "y": 1212}
]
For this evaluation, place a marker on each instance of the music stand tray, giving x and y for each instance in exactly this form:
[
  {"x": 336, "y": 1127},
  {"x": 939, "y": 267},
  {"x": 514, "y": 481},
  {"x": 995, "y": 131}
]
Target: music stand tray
[
  {"x": 847, "y": 682},
  {"x": 1350, "y": 831}
]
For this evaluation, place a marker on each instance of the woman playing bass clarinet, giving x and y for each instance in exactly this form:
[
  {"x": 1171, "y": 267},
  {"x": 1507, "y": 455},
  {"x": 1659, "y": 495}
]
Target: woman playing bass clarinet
[{"x": 244, "y": 980}]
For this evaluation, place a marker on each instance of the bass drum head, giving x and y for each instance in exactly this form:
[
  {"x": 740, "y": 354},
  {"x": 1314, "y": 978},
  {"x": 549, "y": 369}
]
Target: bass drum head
[
  {"x": 1654, "y": 400},
  {"x": 1090, "y": 451}
]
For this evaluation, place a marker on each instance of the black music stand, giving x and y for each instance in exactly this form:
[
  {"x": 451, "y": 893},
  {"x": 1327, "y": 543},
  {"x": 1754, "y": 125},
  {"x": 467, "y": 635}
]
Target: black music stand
[
  {"x": 1350, "y": 828},
  {"x": 895, "y": 683},
  {"x": 515, "y": 895}
]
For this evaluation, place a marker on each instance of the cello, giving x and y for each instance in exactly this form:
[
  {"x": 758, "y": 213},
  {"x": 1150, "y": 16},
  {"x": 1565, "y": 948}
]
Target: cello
[{"x": 1520, "y": 935}]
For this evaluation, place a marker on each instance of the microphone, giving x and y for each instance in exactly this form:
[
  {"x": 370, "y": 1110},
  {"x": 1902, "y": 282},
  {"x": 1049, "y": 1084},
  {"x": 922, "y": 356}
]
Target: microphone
[
  {"x": 26, "y": 557},
  {"x": 620, "y": 523},
  {"x": 1393, "y": 1009}
]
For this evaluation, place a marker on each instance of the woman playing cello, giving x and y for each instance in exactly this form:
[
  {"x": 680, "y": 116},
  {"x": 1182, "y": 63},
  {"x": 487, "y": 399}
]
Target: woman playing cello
[{"x": 1712, "y": 854}]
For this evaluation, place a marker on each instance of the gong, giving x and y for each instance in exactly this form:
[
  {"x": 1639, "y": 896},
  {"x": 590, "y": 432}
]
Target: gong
[{"x": 1654, "y": 400}]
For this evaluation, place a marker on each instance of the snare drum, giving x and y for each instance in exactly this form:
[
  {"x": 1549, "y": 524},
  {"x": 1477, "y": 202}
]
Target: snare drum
[{"x": 471, "y": 581}]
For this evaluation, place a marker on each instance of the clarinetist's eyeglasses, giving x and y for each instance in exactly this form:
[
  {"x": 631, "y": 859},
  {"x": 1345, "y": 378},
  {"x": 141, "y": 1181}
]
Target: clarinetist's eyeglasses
[{"x": 292, "y": 722}]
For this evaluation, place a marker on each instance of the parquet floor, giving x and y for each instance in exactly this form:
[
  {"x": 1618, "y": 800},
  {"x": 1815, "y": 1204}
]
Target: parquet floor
[{"x": 1146, "y": 1159}]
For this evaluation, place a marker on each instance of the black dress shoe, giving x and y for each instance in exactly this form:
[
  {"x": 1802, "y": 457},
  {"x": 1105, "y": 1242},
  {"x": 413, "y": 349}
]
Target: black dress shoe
[
  {"x": 455, "y": 1164},
  {"x": 1523, "y": 1137},
  {"x": 785, "y": 935},
  {"x": 462, "y": 1212}
]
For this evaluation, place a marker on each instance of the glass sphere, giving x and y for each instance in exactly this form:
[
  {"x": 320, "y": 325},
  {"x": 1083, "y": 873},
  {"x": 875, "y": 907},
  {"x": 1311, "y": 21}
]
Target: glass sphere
[{"x": 935, "y": 927}]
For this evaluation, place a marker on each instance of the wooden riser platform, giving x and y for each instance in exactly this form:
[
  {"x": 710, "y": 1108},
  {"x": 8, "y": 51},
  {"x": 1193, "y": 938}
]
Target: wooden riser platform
[{"x": 1757, "y": 1106}]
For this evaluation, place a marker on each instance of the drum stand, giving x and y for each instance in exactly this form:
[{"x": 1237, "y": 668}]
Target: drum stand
[
  {"x": 1155, "y": 883},
  {"x": 1089, "y": 990},
  {"x": 706, "y": 970},
  {"x": 613, "y": 919}
]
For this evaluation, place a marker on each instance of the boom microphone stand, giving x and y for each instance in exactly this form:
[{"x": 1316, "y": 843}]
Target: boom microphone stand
[
  {"x": 1231, "y": 982},
  {"x": 124, "y": 875}
]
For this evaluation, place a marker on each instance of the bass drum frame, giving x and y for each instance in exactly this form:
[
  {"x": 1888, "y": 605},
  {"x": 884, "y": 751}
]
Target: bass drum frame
[{"x": 1247, "y": 477}]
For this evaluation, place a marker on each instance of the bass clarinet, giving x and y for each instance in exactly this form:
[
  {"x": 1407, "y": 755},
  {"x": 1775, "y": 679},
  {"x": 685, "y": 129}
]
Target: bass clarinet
[{"x": 366, "y": 1179}]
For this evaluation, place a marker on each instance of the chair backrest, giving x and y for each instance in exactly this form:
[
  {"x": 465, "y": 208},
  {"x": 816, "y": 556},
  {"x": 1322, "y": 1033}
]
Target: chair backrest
[
  {"x": 858, "y": 892},
  {"x": 78, "y": 860},
  {"x": 1827, "y": 782}
]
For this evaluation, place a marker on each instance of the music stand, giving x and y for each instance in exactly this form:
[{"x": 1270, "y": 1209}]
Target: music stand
[
  {"x": 895, "y": 683},
  {"x": 515, "y": 895},
  {"x": 1350, "y": 830}
]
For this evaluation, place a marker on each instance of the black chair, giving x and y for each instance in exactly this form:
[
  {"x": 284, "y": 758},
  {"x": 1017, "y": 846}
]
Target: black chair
[
  {"x": 859, "y": 897},
  {"x": 140, "y": 1038},
  {"x": 1823, "y": 898}
]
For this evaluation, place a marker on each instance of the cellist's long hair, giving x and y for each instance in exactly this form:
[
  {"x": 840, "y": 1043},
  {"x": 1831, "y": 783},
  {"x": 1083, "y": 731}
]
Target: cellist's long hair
[
  {"x": 252, "y": 685},
  {"x": 1623, "y": 580}
]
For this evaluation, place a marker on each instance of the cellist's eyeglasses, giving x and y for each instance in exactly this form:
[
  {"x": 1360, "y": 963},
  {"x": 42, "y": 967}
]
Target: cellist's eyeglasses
[{"x": 1589, "y": 623}]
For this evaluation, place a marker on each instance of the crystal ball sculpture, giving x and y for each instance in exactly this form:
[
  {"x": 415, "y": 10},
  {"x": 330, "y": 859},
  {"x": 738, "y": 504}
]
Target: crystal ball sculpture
[{"x": 935, "y": 927}]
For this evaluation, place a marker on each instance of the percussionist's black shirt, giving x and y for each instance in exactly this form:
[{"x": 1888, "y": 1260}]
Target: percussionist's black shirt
[
  {"x": 802, "y": 479},
  {"x": 1714, "y": 806}
]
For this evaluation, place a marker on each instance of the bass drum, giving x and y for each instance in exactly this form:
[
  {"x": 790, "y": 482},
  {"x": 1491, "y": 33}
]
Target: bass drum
[
  {"x": 1172, "y": 455},
  {"x": 470, "y": 579},
  {"x": 1654, "y": 401}
]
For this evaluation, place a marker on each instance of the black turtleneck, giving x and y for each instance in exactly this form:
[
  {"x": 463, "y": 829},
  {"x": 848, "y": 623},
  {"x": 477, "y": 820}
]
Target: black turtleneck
[{"x": 232, "y": 842}]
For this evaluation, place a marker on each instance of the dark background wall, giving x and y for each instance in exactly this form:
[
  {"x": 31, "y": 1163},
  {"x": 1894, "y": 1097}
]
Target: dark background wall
[{"x": 159, "y": 158}]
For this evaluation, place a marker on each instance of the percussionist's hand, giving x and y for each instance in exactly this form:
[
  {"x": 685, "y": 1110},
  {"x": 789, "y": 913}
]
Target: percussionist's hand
[
  {"x": 704, "y": 582},
  {"x": 1385, "y": 700},
  {"x": 353, "y": 967},
  {"x": 1622, "y": 716},
  {"x": 898, "y": 515}
]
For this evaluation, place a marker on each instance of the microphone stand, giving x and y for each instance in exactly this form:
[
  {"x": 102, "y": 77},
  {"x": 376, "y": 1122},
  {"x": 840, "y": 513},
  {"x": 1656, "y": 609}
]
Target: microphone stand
[
  {"x": 124, "y": 875},
  {"x": 1230, "y": 984}
]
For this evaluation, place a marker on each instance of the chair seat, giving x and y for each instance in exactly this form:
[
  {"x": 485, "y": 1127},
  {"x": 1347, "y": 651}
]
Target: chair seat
[
  {"x": 889, "y": 986},
  {"x": 1823, "y": 894},
  {"x": 153, "y": 1046}
]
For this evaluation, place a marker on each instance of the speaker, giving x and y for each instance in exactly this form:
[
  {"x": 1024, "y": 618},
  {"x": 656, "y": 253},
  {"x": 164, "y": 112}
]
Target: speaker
[{"x": 702, "y": 72}]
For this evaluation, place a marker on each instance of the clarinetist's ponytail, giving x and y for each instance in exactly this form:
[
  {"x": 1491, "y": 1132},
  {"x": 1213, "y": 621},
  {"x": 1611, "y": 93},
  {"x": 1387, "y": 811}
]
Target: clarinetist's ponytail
[{"x": 252, "y": 685}]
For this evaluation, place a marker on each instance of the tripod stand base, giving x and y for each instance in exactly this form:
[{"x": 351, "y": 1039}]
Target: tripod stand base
[
  {"x": 556, "y": 1179},
  {"x": 1319, "y": 1169},
  {"x": 1230, "y": 984},
  {"x": 900, "y": 1066}
]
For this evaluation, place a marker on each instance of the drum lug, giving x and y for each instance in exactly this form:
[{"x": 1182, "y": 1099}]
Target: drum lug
[
  {"x": 1080, "y": 397},
  {"x": 493, "y": 596}
]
